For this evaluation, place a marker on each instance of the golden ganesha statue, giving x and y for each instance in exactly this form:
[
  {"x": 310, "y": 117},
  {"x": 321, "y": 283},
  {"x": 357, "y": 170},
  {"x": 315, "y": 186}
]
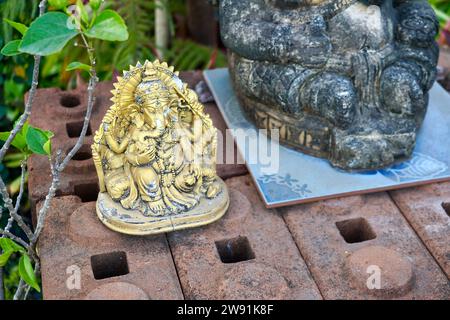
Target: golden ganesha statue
[{"x": 155, "y": 156}]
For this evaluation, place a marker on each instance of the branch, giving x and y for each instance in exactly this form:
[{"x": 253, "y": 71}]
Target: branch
[
  {"x": 19, "y": 197},
  {"x": 59, "y": 166},
  {"x": 24, "y": 117},
  {"x": 20, "y": 288},
  {"x": 13, "y": 213},
  {"x": 34, "y": 83}
]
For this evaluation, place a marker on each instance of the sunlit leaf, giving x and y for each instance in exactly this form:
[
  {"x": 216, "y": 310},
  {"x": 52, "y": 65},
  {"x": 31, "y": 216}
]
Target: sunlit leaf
[
  {"x": 18, "y": 142},
  {"x": 18, "y": 26},
  {"x": 9, "y": 245},
  {"x": 26, "y": 272},
  {"x": 109, "y": 26},
  {"x": 11, "y": 48},
  {"x": 82, "y": 10},
  {"x": 48, "y": 34},
  {"x": 36, "y": 139},
  {"x": 4, "y": 257},
  {"x": 78, "y": 65},
  {"x": 58, "y": 4}
]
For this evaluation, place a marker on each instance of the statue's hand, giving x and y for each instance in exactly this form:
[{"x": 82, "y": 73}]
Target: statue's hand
[{"x": 311, "y": 45}]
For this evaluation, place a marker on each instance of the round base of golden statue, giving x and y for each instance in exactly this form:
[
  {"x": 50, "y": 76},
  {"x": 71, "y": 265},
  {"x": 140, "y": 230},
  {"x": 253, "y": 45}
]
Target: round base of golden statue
[{"x": 133, "y": 222}]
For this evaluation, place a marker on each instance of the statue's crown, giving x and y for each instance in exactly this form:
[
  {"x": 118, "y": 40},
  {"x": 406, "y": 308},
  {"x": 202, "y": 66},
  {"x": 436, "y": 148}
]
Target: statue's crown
[{"x": 150, "y": 74}]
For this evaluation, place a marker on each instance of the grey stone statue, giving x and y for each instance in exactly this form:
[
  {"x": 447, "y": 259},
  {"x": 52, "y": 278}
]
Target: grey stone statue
[{"x": 344, "y": 80}]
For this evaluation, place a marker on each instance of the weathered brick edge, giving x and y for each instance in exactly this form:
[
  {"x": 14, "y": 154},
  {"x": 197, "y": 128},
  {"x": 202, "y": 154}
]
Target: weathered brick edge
[
  {"x": 345, "y": 241},
  {"x": 427, "y": 209}
]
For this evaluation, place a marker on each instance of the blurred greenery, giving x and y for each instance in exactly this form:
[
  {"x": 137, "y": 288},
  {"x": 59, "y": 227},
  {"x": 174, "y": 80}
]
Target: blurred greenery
[{"x": 442, "y": 8}]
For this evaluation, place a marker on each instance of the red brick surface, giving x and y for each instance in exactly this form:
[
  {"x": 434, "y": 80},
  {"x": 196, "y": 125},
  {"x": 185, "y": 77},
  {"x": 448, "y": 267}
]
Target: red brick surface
[
  {"x": 341, "y": 238},
  {"x": 73, "y": 235},
  {"x": 427, "y": 209},
  {"x": 270, "y": 267}
]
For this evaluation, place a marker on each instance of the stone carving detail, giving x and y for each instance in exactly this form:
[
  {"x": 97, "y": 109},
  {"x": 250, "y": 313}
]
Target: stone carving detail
[
  {"x": 350, "y": 76},
  {"x": 155, "y": 155}
]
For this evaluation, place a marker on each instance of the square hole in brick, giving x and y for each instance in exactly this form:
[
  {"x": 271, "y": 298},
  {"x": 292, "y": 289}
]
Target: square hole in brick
[
  {"x": 235, "y": 250},
  {"x": 446, "y": 206},
  {"x": 355, "y": 230},
  {"x": 74, "y": 129},
  {"x": 108, "y": 265},
  {"x": 87, "y": 192}
]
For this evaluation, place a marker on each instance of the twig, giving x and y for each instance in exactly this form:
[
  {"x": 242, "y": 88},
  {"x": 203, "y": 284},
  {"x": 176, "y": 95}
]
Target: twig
[
  {"x": 23, "y": 166},
  {"x": 58, "y": 166},
  {"x": 34, "y": 83},
  {"x": 19, "y": 292},
  {"x": 24, "y": 117},
  {"x": 13, "y": 213},
  {"x": 13, "y": 210}
]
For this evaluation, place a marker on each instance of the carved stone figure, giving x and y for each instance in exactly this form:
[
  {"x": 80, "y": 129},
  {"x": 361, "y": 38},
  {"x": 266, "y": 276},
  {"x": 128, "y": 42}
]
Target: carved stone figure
[
  {"x": 345, "y": 80},
  {"x": 155, "y": 155}
]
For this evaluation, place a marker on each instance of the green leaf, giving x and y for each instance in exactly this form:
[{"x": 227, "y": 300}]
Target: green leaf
[
  {"x": 18, "y": 142},
  {"x": 48, "y": 147},
  {"x": 95, "y": 4},
  {"x": 78, "y": 65},
  {"x": 14, "y": 160},
  {"x": 108, "y": 26},
  {"x": 5, "y": 244},
  {"x": 58, "y": 4},
  {"x": 9, "y": 245},
  {"x": 11, "y": 48},
  {"x": 26, "y": 272},
  {"x": 18, "y": 26},
  {"x": 48, "y": 34},
  {"x": 36, "y": 139},
  {"x": 4, "y": 257},
  {"x": 83, "y": 13}
]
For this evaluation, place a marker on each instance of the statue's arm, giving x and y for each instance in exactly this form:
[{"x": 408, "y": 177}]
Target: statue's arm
[
  {"x": 114, "y": 145},
  {"x": 247, "y": 29},
  {"x": 416, "y": 30}
]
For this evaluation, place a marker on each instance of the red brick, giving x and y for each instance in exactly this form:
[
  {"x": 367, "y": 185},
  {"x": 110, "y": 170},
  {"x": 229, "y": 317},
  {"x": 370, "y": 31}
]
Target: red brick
[
  {"x": 270, "y": 267},
  {"x": 427, "y": 209},
  {"x": 73, "y": 235},
  {"x": 391, "y": 244}
]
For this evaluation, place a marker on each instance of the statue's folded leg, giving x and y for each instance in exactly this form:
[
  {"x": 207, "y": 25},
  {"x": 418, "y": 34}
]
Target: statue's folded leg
[
  {"x": 257, "y": 79},
  {"x": 331, "y": 96},
  {"x": 401, "y": 92},
  {"x": 130, "y": 201},
  {"x": 173, "y": 196}
]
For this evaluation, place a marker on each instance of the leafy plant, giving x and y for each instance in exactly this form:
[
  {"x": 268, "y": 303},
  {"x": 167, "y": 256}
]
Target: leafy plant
[
  {"x": 26, "y": 270},
  {"x": 47, "y": 35}
]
